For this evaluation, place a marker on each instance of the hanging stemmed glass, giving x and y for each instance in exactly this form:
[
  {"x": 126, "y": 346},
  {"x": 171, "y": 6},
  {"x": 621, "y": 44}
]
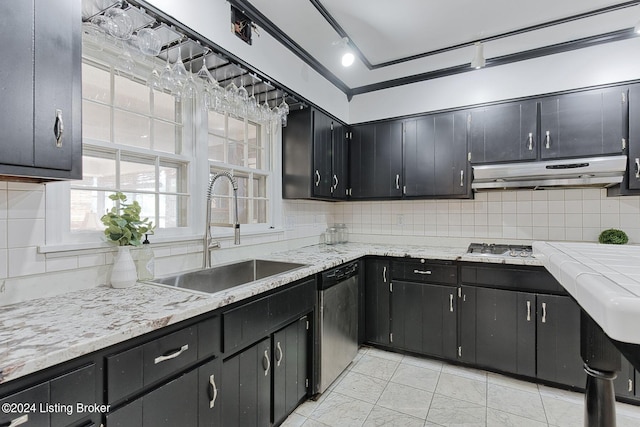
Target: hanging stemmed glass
[
  {"x": 166, "y": 77},
  {"x": 206, "y": 79},
  {"x": 252, "y": 103},
  {"x": 231, "y": 96},
  {"x": 180, "y": 75},
  {"x": 190, "y": 90},
  {"x": 242, "y": 98},
  {"x": 284, "y": 110}
]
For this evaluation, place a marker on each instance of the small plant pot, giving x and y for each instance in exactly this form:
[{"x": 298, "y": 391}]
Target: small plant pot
[{"x": 123, "y": 272}]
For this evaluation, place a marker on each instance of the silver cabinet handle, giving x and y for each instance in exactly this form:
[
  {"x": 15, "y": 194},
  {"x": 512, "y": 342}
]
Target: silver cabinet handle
[
  {"x": 19, "y": 421},
  {"x": 58, "y": 128},
  {"x": 317, "y": 178},
  {"x": 397, "y": 182},
  {"x": 531, "y": 141},
  {"x": 547, "y": 140},
  {"x": 266, "y": 363},
  {"x": 335, "y": 180},
  {"x": 384, "y": 274},
  {"x": 544, "y": 312},
  {"x": 279, "y": 354},
  {"x": 528, "y": 311},
  {"x": 213, "y": 391},
  {"x": 451, "y": 303},
  {"x": 630, "y": 389},
  {"x": 637, "y": 168},
  {"x": 461, "y": 178},
  {"x": 172, "y": 355},
  {"x": 422, "y": 271}
]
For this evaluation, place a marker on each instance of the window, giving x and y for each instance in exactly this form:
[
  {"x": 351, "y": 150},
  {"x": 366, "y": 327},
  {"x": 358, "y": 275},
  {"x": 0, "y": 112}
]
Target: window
[
  {"x": 237, "y": 145},
  {"x": 132, "y": 142}
]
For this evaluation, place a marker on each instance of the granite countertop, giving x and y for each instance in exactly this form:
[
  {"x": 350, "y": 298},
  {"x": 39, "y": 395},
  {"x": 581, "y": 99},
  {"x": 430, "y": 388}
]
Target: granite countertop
[
  {"x": 40, "y": 333},
  {"x": 603, "y": 279}
]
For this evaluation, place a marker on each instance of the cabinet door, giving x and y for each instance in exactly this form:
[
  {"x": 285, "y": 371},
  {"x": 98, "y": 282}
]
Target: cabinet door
[
  {"x": 504, "y": 326},
  {"x": 290, "y": 368},
  {"x": 377, "y": 275},
  {"x": 423, "y": 318},
  {"x": 583, "y": 124},
  {"x": 634, "y": 138},
  {"x": 173, "y": 404},
  {"x": 624, "y": 382},
  {"x": 558, "y": 337},
  {"x": 30, "y": 416},
  {"x": 322, "y": 154},
  {"x": 388, "y": 159},
  {"x": 450, "y": 159},
  {"x": 340, "y": 162},
  {"x": 246, "y": 381},
  {"x": 209, "y": 389},
  {"x": 504, "y": 133},
  {"x": 419, "y": 157},
  {"x": 362, "y": 162},
  {"x": 58, "y": 46}
]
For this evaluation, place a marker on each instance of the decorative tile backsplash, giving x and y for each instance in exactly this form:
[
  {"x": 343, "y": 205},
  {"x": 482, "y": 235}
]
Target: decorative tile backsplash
[{"x": 570, "y": 214}]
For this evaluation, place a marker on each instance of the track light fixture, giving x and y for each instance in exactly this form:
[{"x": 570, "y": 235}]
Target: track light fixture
[
  {"x": 636, "y": 28},
  {"x": 347, "y": 56},
  {"x": 478, "y": 60}
]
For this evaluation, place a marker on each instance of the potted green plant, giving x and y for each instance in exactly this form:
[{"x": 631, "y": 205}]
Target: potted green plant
[
  {"x": 613, "y": 236},
  {"x": 124, "y": 227}
]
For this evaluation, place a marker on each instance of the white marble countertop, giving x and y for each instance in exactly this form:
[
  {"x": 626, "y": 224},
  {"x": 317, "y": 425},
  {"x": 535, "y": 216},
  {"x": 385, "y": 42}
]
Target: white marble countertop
[
  {"x": 603, "y": 279},
  {"x": 44, "y": 332}
]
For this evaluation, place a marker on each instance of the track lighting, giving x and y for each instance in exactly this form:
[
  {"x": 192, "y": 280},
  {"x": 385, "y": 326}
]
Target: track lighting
[
  {"x": 347, "y": 56},
  {"x": 636, "y": 28},
  {"x": 347, "y": 59},
  {"x": 478, "y": 60}
]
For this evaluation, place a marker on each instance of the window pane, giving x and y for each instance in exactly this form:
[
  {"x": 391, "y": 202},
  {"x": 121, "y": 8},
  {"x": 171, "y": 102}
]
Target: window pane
[
  {"x": 167, "y": 137},
  {"x": 216, "y": 148},
  {"x": 147, "y": 203},
  {"x": 243, "y": 186},
  {"x": 216, "y": 123},
  {"x": 259, "y": 186},
  {"x": 259, "y": 211},
  {"x": 235, "y": 153},
  {"x": 222, "y": 187},
  {"x": 87, "y": 206},
  {"x": 164, "y": 106},
  {"x": 131, "y": 129},
  {"x": 137, "y": 176},
  {"x": 236, "y": 129},
  {"x": 172, "y": 179},
  {"x": 95, "y": 121},
  {"x": 252, "y": 133},
  {"x": 97, "y": 172},
  {"x": 96, "y": 84},
  {"x": 243, "y": 211},
  {"x": 173, "y": 211},
  {"x": 255, "y": 157},
  {"x": 131, "y": 95},
  {"x": 220, "y": 212}
]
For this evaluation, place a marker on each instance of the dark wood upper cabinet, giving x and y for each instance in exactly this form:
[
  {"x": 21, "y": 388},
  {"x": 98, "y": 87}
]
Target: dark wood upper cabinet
[
  {"x": 41, "y": 90},
  {"x": 580, "y": 124},
  {"x": 504, "y": 132}
]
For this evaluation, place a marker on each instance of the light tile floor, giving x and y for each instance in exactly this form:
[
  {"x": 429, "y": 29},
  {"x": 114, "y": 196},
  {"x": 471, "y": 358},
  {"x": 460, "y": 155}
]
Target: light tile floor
[{"x": 387, "y": 389}]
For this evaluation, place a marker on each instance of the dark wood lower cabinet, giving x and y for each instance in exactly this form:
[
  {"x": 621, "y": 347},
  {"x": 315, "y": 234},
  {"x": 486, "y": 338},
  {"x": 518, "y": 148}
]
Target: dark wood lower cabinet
[
  {"x": 498, "y": 329},
  {"x": 246, "y": 387},
  {"x": 558, "y": 341},
  {"x": 423, "y": 318},
  {"x": 377, "y": 300}
]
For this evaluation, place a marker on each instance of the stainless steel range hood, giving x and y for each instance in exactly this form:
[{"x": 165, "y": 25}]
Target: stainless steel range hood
[{"x": 602, "y": 171}]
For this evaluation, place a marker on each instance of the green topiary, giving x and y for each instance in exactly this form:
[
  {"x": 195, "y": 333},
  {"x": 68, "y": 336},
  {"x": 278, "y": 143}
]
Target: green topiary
[
  {"x": 123, "y": 224},
  {"x": 613, "y": 236}
]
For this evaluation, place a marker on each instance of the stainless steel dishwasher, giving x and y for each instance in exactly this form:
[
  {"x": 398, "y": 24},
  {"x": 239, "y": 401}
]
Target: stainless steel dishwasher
[{"x": 337, "y": 343}]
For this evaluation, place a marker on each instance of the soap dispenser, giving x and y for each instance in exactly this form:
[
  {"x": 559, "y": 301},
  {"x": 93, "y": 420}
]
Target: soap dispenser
[{"x": 145, "y": 263}]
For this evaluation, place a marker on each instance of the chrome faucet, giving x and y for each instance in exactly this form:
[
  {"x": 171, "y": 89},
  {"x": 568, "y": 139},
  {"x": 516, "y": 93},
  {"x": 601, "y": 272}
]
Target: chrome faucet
[{"x": 208, "y": 242}]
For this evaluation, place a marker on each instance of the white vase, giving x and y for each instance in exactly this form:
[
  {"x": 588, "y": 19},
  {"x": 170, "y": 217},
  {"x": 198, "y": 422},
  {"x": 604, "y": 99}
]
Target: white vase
[{"x": 123, "y": 272}]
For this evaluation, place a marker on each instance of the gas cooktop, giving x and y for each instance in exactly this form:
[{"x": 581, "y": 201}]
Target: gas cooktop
[{"x": 500, "y": 250}]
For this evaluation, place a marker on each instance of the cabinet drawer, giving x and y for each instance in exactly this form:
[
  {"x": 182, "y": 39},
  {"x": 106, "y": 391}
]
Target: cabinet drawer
[
  {"x": 209, "y": 337},
  {"x": 75, "y": 387},
  {"x": 30, "y": 416},
  {"x": 291, "y": 303},
  {"x": 133, "y": 369},
  {"x": 517, "y": 278},
  {"x": 425, "y": 271}
]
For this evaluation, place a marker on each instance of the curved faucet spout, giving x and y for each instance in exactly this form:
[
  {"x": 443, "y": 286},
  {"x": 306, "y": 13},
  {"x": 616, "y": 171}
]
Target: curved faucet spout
[{"x": 208, "y": 242}]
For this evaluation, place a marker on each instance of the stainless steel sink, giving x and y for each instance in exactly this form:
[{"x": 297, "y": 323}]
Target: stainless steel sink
[{"x": 227, "y": 276}]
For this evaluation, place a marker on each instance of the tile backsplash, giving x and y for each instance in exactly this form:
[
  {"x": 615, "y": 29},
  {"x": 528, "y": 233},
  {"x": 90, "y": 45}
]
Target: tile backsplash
[
  {"x": 522, "y": 215},
  {"x": 560, "y": 214}
]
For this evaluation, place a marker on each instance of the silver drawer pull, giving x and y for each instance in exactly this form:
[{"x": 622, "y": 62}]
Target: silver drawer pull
[
  {"x": 462, "y": 178},
  {"x": 422, "y": 271},
  {"x": 214, "y": 391},
  {"x": 547, "y": 140},
  {"x": 544, "y": 312},
  {"x": 528, "y": 311},
  {"x": 451, "y": 303},
  {"x": 530, "y": 141},
  {"x": 173, "y": 355},
  {"x": 19, "y": 421},
  {"x": 637, "y": 168},
  {"x": 317, "y": 178},
  {"x": 384, "y": 274},
  {"x": 397, "y": 182},
  {"x": 266, "y": 363},
  {"x": 630, "y": 389}
]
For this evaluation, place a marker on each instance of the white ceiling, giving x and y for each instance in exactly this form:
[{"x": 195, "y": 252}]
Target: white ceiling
[{"x": 388, "y": 30}]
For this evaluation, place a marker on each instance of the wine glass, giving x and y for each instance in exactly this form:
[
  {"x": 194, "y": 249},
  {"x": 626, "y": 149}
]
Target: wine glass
[
  {"x": 180, "y": 74},
  {"x": 190, "y": 89},
  {"x": 166, "y": 78},
  {"x": 120, "y": 25},
  {"x": 284, "y": 110},
  {"x": 148, "y": 41}
]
